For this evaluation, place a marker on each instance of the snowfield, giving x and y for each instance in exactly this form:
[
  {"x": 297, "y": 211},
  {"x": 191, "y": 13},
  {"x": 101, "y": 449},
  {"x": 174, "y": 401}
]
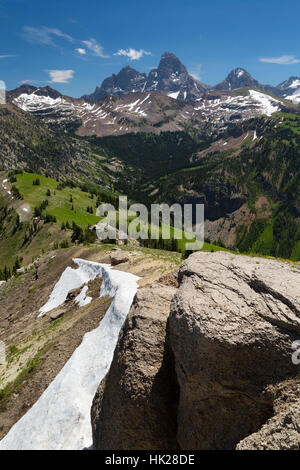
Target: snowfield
[
  {"x": 267, "y": 104},
  {"x": 69, "y": 280},
  {"x": 60, "y": 419},
  {"x": 295, "y": 97}
]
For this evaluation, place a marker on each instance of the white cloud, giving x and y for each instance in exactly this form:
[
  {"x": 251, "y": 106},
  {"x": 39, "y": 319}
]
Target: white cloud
[
  {"x": 283, "y": 60},
  {"x": 133, "y": 54},
  {"x": 61, "y": 76},
  {"x": 80, "y": 51},
  {"x": 7, "y": 56},
  {"x": 25, "y": 82},
  {"x": 44, "y": 35},
  {"x": 96, "y": 48},
  {"x": 196, "y": 71}
]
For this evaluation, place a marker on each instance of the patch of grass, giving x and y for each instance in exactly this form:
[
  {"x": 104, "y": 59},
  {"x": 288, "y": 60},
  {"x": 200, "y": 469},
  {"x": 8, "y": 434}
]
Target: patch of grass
[
  {"x": 15, "y": 386},
  {"x": 66, "y": 204},
  {"x": 14, "y": 353}
]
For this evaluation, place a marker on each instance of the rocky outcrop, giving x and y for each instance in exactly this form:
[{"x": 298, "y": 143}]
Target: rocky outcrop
[
  {"x": 135, "y": 406},
  {"x": 118, "y": 257},
  {"x": 282, "y": 431},
  {"x": 232, "y": 324},
  {"x": 228, "y": 346}
]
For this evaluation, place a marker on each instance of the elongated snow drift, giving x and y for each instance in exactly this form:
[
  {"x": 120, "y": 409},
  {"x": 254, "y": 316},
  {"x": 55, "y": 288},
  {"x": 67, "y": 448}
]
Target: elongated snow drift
[{"x": 60, "y": 419}]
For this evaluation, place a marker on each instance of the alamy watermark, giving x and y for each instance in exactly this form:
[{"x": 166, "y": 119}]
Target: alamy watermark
[
  {"x": 2, "y": 92},
  {"x": 178, "y": 222},
  {"x": 296, "y": 353}
]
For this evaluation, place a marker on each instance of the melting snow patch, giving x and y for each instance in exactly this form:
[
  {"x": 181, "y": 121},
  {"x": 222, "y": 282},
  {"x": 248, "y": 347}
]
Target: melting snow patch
[
  {"x": 295, "y": 97},
  {"x": 82, "y": 299},
  {"x": 295, "y": 84},
  {"x": 69, "y": 280},
  {"x": 60, "y": 419},
  {"x": 174, "y": 95},
  {"x": 268, "y": 105}
]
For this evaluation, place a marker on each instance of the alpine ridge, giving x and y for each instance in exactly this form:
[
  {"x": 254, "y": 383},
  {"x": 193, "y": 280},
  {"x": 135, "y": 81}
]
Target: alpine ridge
[{"x": 170, "y": 77}]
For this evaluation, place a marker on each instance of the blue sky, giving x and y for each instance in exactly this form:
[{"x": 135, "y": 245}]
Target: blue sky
[{"x": 73, "y": 45}]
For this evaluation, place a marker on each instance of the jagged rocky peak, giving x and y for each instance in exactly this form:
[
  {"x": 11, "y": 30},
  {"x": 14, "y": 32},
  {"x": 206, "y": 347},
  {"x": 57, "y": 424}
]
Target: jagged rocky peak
[
  {"x": 292, "y": 82},
  {"x": 170, "y": 66},
  {"x": 290, "y": 89},
  {"x": 170, "y": 78},
  {"x": 237, "y": 78},
  {"x": 126, "y": 81}
]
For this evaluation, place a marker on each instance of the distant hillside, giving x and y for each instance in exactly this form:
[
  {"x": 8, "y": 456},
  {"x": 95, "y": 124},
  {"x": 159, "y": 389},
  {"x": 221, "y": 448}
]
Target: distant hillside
[{"x": 27, "y": 142}]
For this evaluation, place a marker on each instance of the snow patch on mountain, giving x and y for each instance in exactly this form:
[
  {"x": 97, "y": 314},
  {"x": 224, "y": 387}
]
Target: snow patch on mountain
[
  {"x": 295, "y": 84},
  {"x": 295, "y": 97},
  {"x": 268, "y": 104},
  {"x": 69, "y": 280},
  {"x": 174, "y": 95},
  {"x": 60, "y": 419},
  {"x": 82, "y": 299}
]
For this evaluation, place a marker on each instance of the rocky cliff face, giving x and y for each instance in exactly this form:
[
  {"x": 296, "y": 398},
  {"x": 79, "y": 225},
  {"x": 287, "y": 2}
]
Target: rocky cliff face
[
  {"x": 232, "y": 323},
  {"x": 135, "y": 406},
  {"x": 170, "y": 78},
  {"x": 126, "y": 81}
]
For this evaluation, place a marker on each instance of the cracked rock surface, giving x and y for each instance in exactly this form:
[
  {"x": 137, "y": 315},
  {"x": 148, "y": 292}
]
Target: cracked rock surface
[
  {"x": 233, "y": 321},
  {"x": 207, "y": 364},
  {"x": 135, "y": 406}
]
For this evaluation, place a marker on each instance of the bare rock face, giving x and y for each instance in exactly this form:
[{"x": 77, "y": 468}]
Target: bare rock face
[
  {"x": 232, "y": 324},
  {"x": 135, "y": 406},
  {"x": 282, "y": 431},
  {"x": 119, "y": 257}
]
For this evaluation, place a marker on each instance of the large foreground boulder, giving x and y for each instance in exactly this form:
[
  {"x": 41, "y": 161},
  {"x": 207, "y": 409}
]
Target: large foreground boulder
[
  {"x": 232, "y": 324},
  {"x": 136, "y": 405},
  {"x": 223, "y": 339}
]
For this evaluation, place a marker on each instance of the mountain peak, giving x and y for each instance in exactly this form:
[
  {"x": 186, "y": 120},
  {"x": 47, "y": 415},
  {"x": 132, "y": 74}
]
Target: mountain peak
[
  {"x": 237, "y": 78},
  {"x": 170, "y": 64},
  {"x": 30, "y": 89},
  {"x": 292, "y": 82},
  {"x": 126, "y": 81}
]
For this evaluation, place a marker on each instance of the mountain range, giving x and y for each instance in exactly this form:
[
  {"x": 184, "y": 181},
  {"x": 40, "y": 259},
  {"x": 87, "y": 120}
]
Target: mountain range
[
  {"x": 167, "y": 137},
  {"x": 168, "y": 99},
  {"x": 172, "y": 78}
]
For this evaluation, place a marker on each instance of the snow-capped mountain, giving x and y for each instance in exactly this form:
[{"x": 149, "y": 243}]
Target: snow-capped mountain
[
  {"x": 126, "y": 81},
  {"x": 170, "y": 78},
  {"x": 144, "y": 111},
  {"x": 237, "y": 78},
  {"x": 291, "y": 89},
  {"x": 240, "y": 78},
  {"x": 225, "y": 108}
]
